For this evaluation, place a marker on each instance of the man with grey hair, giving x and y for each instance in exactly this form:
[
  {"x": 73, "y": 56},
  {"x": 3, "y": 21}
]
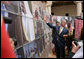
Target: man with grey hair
[{"x": 59, "y": 38}]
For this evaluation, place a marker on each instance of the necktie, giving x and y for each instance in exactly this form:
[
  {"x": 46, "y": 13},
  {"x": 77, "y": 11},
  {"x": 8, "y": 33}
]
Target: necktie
[{"x": 59, "y": 31}]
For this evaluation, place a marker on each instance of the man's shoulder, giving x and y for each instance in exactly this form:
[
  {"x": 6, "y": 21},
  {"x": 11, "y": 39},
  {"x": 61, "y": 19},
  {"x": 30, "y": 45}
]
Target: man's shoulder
[{"x": 57, "y": 27}]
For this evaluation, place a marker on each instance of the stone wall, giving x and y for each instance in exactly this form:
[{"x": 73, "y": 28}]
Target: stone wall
[{"x": 62, "y": 10}]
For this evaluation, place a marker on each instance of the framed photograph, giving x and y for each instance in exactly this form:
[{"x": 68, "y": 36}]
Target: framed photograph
[
  {"x": 30, "y": 50},
  {"x": 33, "y": 49},
  {"x": 26, "y": 51},
  {"x": 43, "y": 42},
  {"x": 11, "y": 6},
  {"x": 10, "y": 9},
  {"x": 39, "y": 28},
  {"x": 38, "y": 48},
  {"x": 20, "y": 53},
  {"x": 14, "y": 29},
  {"x": 40, "y": 11},
  {"x": 27, "y": 21}
]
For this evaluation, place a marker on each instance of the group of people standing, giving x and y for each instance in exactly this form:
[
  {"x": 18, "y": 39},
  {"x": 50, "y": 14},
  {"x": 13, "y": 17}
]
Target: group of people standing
[{"x": 62, "y": 37}]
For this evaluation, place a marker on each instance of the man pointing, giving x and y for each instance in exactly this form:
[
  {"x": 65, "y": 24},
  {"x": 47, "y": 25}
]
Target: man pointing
[{"x": 59, "y": 38}]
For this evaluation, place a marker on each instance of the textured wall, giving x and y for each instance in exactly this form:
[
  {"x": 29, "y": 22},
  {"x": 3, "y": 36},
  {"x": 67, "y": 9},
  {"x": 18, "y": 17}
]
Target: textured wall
[{"x": 61, "y": 10}]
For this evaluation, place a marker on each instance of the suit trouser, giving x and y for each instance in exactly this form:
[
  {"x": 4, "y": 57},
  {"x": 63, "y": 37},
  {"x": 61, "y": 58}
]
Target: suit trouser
[
  {"x": 60, "y": 51},
  {"x": 69, "y": 44}
]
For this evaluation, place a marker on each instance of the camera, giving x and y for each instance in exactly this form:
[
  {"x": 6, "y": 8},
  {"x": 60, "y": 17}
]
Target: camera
[
  {"x": 7, "y": 20},
  {"x": 76, "y": 43},
  {"x": 80, "y": 43}
]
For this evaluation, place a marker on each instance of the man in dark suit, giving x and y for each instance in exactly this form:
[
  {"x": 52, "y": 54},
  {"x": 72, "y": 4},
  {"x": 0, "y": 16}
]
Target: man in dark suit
[{"x": 59, "y": 38}]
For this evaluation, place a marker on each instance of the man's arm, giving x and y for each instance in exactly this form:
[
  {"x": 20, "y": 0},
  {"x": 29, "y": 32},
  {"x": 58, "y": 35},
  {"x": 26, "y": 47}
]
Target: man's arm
[
  {"x": 50, "y": 25},
  {"x": 47, "y": 22}
]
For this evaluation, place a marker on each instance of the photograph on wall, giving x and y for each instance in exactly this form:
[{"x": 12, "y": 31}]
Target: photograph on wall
[
  {"x": 26, "y": 51},
  {"x": 39, "y": 45},
  {"x": 43, "y": 42},
  {"x": 35, "y": 28},
  {"x": 36, "y": 14},
  {"x": 11, "y": 6},
  {"x": 25, "y": 9},
  {"x": 40, "y": 11},
  {"x": 33, "y": 49},
  {"x": 20, "y": 52},
  {"x": 4, "y": 13},
  {"x": 47, "y": 39},
  {"x": 38, "y": 48},
  {"x": 14, "y": 29},
  {"x": 27, "y": 21},
  {"x": 37, "y": 10},
  {"x": 3, "y": 8},
  {"x": 49, "y": 17},
  {"x": 39, "y": 28},
  {"x": 9, "y": 9}
]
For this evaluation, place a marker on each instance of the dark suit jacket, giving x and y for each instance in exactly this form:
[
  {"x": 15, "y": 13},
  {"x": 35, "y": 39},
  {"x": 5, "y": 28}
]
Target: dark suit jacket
[{"x": 61, "y": 39}]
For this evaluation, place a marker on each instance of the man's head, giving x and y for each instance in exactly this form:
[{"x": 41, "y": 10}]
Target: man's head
[
  {"x": 57, "y": 23},
  {"x": 54, "y": 21},
  {"x": 63, "y": 22}
]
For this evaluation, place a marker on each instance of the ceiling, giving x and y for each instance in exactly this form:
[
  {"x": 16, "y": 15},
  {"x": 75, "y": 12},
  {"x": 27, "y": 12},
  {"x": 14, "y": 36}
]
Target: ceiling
[{"x": 60, "y": 3}]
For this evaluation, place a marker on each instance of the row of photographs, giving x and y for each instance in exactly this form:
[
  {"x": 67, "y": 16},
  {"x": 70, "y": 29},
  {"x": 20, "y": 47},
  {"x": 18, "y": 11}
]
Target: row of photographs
[
  {"x": 32, "y": 50},
  {"x": 38, "y": 10},
  {"x": 18, "y": 7},
  {"x": 14, "y": 29},
  {"x": 23, "y": 8},
  {"x": 21, "y": 27}
]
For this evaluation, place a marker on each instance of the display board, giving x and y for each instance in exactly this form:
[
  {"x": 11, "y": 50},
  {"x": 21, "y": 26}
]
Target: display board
[
  {"x": 22, "y": 27},
  {"x": 10, "y": 9},
  {"x": 28, "y": 28}
]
